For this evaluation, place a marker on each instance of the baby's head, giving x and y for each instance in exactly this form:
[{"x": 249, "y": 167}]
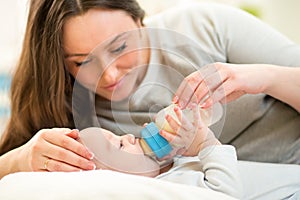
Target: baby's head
[{"x": 118, "y": 153}]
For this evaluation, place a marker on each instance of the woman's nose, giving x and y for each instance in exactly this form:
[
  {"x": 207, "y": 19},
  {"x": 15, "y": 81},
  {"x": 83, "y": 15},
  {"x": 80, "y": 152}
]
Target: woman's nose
[{"x": 109, "y": 75}]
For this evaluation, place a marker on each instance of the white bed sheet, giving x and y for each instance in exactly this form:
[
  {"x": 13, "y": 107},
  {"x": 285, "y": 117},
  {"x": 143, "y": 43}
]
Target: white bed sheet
[{"x": 100, "y": 184}]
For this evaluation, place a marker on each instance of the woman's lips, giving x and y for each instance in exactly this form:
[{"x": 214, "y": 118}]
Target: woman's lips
[{"x": 113, "y": 86}]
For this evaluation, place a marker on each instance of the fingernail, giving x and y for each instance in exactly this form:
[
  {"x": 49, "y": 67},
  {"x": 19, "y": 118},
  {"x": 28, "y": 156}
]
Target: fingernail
[
  {"x": 176, "y": 108},
  {"x": 167, "y": 116},
  {"x": 175, "y": 99},
  {"x": 203, "y": 105},
  {"x": 91, "y": 166},
  {"x": 91, "y": 155}
]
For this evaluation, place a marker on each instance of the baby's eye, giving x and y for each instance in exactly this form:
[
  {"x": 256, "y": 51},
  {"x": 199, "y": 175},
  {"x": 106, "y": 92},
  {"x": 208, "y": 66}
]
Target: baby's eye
[
  {"x": 120, "y": 49},
  {"x": 121, "y": 144}
]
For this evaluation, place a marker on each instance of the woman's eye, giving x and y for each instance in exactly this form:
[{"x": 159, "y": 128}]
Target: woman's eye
[
  {"x": 120, "y": 49},
  {"x": 79, "y": 64}
]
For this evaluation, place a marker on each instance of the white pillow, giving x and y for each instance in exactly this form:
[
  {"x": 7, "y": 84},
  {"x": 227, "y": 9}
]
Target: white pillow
[{"x": 99, "y": 184}]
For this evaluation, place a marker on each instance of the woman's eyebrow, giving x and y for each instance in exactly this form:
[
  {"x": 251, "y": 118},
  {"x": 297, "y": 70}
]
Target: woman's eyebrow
[
  {"x": 86, "y": 54},
  {"x": 116, "y": 38},
  {"x": 76, "y": 55}
]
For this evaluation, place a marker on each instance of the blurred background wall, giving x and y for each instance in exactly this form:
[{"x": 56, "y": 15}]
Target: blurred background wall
[{"x": 282, "y": 15}]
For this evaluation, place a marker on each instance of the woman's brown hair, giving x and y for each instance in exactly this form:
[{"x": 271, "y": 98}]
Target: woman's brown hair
[{"x": 41, "y": 88}]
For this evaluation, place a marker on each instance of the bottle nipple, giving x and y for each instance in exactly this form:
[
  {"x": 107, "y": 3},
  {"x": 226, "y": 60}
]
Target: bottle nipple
[{"x": 146, "y": 149}]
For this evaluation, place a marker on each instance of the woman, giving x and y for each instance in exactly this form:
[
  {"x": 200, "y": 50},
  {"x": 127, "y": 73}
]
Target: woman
[{"x": 63, "y": 36}]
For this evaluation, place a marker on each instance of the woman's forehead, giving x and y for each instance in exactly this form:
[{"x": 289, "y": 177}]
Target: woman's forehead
[{"x": 82, "y": 33}]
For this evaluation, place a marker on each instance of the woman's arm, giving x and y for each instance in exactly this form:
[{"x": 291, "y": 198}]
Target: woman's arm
[
  {"x": 237, "y": 37},
  {"x": 284, "y": 84},
  {"x": 227, "y": 82},
  {"x": 8, "y": 162}
]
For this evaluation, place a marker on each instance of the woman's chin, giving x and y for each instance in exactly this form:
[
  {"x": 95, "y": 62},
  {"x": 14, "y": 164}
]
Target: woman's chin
[{"x": 117, "y": 96}]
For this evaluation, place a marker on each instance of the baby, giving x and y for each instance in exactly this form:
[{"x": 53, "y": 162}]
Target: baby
[
  {"x": 125, "y": 153},
  {"x": 206, "y": 163},
  {"x": 214, "y": 167}
]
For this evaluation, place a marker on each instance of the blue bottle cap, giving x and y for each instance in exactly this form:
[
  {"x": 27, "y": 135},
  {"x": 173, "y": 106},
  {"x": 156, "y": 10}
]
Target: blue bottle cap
[{"x": 158, "y": 144}]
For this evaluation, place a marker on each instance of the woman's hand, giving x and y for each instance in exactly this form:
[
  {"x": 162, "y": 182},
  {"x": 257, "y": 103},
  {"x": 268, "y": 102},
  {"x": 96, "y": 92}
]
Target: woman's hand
[
  {"x": 221, "y": 82},
  {"x": 190, "y": 137},
  {"x": 55, "y": 150}
]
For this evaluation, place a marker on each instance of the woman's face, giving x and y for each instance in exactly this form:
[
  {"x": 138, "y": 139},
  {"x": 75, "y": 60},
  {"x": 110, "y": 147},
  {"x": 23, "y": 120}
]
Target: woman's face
[
  {"x": 118, "y": 153},
  {"x": 103, "y": 52}
]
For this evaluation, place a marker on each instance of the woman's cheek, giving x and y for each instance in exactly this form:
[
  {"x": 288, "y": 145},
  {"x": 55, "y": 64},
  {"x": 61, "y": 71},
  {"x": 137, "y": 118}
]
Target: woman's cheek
[{"x": 129, "y": 60}]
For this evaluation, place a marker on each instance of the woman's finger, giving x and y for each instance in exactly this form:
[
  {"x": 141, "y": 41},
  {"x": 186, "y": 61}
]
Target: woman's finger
[
  {"x": 52, "y": 165},
  {"x": 73, "y": 134},
  {"x": 68, "y": 157},
  {"x": 197, "y": 117},
  {"x": 227, "y": 92},
  {"x": 66, "y": 142},
  {"x": 199, "y": 84},
  {"x": 212, "y": 83},
  {"x": 186, "y": 89}
]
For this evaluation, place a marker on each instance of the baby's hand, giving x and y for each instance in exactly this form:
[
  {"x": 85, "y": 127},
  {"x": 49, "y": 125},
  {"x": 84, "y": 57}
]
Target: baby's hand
[{"x": 190, "y": 137}]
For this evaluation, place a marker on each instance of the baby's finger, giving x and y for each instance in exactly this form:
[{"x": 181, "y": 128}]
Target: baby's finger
[
  {"x": 167, "y": 135},
  {"x": 174, "y": 140},
  {"x": 145, "y": 124},
  {"x": 185, "y": 123},
  {"x": 174, "y": 124}
]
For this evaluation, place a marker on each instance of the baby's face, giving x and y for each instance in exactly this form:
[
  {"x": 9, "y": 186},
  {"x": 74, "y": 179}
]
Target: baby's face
[{"x": 118, "y": 153}]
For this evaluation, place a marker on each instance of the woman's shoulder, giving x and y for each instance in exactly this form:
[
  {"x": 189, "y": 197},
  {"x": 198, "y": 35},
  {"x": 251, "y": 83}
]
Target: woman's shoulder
[
  {"x": 198, "y": 12},
  {"x": 201, "y": 8}
]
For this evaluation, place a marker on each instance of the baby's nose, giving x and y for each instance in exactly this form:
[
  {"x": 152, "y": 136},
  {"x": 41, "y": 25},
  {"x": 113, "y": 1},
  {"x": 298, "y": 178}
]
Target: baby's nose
[{"x": 129, "y": 138}]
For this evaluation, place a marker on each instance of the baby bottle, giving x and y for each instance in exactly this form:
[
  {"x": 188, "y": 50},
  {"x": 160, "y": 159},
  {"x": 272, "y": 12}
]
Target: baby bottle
[{"x": 154, "y": 145}]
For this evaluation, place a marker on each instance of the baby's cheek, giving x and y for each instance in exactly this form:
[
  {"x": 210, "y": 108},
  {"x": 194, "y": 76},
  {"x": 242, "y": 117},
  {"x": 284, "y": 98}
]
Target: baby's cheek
[
  {"x": 99, "y": 165},
  {"x": 134, "y": 149}
]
